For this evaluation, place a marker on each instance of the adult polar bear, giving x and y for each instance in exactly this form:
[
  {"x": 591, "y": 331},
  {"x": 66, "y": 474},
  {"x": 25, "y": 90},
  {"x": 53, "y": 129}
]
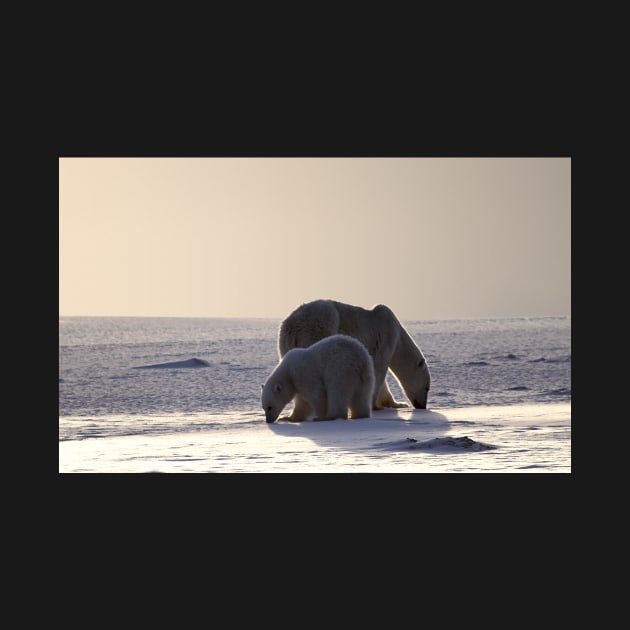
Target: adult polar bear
[{"x": 380, "y": 331}]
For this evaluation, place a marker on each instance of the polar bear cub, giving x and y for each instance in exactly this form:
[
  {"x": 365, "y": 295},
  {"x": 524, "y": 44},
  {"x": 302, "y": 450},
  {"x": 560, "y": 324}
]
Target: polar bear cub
[{"x": 332, "y": 376}]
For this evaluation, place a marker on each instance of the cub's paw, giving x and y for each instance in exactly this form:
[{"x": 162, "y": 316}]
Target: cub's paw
[{"x": 293, "y": 419}]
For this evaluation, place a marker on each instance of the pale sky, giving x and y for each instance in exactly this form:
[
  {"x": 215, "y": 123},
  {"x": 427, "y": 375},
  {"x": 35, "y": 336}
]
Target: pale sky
[{"x": 433, "y": 238}]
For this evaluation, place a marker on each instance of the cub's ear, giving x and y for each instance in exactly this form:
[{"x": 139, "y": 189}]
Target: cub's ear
[{"x": 277, "y": 387}]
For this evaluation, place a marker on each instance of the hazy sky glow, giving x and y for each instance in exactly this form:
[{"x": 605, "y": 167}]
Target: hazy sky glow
[{"x": 433, "y": 238}]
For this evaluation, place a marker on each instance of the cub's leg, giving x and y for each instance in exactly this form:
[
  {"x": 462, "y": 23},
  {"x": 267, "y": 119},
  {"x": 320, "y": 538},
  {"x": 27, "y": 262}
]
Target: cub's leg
[
  {"x": 337, "y": 407},
  {"x": 301, "y": 411},
  {"x": 360, "y": 409},
  {"x": 361, "y": 403}
]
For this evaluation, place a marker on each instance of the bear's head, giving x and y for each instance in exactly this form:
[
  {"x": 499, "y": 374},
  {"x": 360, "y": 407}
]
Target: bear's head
[
  {"x": 274, "y": 397},
  {"x": 416, "y": 383}
]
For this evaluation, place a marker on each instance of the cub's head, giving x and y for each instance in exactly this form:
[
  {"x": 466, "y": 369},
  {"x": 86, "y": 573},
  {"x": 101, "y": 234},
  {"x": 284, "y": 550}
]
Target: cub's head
[{"x": 274, "y": 396}]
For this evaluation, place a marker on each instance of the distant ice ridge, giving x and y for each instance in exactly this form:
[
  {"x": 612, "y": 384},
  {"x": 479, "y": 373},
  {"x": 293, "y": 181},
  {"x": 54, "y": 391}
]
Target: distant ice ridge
[
  {"x": 447, "y": 443},
  {"x": 189, "y": 363}
]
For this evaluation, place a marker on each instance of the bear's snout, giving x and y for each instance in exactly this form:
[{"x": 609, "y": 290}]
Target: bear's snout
[{"x": 419, "y": 404}]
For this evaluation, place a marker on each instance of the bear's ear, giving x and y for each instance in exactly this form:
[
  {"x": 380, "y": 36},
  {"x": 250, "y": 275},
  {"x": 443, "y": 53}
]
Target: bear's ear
[
  {"x": 262, "y": 386},
  {"x": 277, "y": 387}
]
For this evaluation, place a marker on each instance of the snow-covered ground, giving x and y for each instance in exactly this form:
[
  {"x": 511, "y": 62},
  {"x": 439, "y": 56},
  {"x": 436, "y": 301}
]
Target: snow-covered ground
[{"x": 510, "y": 438}]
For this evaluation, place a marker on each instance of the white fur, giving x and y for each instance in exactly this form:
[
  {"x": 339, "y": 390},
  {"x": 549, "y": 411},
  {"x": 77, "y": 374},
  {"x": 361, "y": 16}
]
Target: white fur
[
  {"x": 380, "y": 331},
  {"x": 331, "y": 376}
]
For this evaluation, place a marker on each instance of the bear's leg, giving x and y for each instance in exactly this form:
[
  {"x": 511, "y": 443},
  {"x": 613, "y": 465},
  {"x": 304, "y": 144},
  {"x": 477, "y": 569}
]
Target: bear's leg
[
  {"x": 381, "y": 394},
  {"x": 385, "y": 399},
  {"x": 301, "y": 411}
]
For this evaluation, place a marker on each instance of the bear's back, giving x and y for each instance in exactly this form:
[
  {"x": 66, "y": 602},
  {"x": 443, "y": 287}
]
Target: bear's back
[
  {"x": 307, "y": 324},
  {"x": 335, "y": 348},
  {"x": 318, "y": 319},
  {"x": 358, "y": 322}
]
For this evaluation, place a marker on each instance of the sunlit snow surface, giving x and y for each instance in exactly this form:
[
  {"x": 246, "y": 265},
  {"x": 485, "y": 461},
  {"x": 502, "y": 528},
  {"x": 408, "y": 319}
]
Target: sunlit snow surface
[
  {"x": 500, "y": 401},
  {"x": 515, "y": 438}
]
